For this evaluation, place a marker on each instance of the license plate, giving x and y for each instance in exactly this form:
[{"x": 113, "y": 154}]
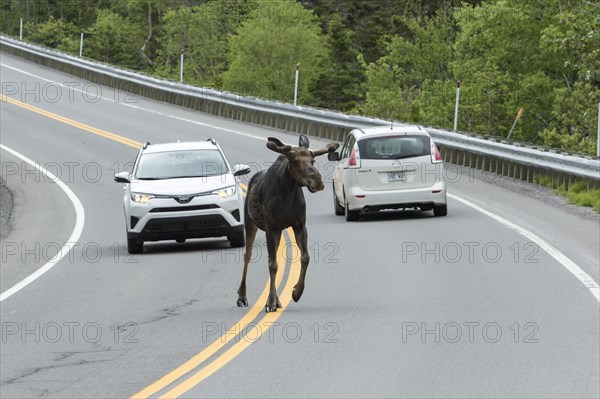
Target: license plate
[{"x": 396, "y": 176}]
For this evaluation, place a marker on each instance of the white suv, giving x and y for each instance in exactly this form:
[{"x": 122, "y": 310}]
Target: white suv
[
  {"x": 388, "y": 168},
  {"x": 182, "y": 190}
]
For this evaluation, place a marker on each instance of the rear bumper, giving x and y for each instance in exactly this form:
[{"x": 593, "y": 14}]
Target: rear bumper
[{"x": 361, "y": 200}]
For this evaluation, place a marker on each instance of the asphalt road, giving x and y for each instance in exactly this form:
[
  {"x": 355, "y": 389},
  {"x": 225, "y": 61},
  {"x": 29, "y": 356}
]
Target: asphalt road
[{"x": 400, "y": 304}]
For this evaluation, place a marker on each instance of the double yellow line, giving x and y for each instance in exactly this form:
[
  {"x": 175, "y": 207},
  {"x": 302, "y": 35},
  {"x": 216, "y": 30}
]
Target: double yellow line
[
  {"x": 182, "y": 373},
  {"x": 252, "y": 335},
  {"x": 79, "y": 125}
]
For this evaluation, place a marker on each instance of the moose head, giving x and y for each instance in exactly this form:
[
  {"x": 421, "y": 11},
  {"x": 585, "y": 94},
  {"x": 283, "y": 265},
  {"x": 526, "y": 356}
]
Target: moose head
[{"x": 301, "y": 161}]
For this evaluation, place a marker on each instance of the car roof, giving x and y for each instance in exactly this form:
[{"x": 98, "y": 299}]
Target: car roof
[
  {"x": 390, "y": 130},
  {"x": 180, "y": 146}
]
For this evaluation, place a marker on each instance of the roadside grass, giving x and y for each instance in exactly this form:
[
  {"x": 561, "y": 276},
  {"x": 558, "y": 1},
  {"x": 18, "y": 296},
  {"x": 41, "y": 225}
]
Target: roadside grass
[{"x": 578, "y": 193}]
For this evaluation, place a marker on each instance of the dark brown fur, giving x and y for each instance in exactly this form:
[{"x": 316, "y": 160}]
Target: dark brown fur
[{"x": 274, "y": 202}]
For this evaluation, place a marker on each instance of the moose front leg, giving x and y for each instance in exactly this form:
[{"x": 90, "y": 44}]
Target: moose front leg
[
  {"x": 251, "y": 229},
  {"x": 273, "y": 239},
  {"x": 301, "y": 239}
]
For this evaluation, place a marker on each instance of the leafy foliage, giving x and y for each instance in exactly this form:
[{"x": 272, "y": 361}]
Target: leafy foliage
[
  {"x": 115, "y": 39},
  {"x": 263, "y": 55},
  {"x": 391, "y": 59},
  {"x": 56, "y": 33},
  {"x": 339, "y": 84},
  {"x": 202, "y": 32}
]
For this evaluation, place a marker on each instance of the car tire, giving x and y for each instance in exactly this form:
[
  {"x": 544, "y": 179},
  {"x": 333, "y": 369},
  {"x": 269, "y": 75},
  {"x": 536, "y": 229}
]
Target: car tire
[
  {"x": 135, "y": 246},
  {"x": 237, "y": 241},
  {"x": 440, "y": 210},
  {"x": 339, "y": 210},
  {"x": 351, "y": 216}
]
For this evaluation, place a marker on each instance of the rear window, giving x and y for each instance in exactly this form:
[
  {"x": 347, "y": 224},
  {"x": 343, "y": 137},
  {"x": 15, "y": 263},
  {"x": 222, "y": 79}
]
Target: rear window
[
  {"x": 394, "y": 147},
  {"x": 181, "y": 164}
]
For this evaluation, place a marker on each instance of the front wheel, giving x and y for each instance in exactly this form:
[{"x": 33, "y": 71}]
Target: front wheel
[
  {"x": 440, "y": 210},
  {"x": 134, "y": 246}
]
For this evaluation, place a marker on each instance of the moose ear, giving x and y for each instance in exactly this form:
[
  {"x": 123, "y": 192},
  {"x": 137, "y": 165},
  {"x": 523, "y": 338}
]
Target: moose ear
[
  {"x": 330, "y": 148},
  {"x": 333, "y": 146},
  {"x": 276, "y": 141},
  {"x": 303, "y": 141},
  {"x": 281, "y": 149}
]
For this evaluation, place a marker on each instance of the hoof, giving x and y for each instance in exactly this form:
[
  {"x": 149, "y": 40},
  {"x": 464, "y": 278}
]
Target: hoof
[
  {"x": 296, "y": 294},
  {"x": 270, "y": 309},
  {"x": 241, "y": 302}
]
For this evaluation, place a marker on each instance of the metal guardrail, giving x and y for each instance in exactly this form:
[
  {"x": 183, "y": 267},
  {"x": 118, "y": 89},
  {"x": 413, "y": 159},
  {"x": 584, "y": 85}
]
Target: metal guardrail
[{"x": 525, "y": 163}]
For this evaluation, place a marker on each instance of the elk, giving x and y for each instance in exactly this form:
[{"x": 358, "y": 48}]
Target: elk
[{"x": 274, "y": 202}]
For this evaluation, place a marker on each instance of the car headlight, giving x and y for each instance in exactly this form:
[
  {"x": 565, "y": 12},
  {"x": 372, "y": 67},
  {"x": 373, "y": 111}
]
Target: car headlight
[
  {"x": 141, "y": 198},
  {"x": 225, "y": 192}
]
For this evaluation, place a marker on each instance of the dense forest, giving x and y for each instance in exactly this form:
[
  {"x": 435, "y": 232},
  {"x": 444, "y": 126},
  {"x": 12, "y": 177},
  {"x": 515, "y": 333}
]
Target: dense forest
[{"x": 392, "y": 59}]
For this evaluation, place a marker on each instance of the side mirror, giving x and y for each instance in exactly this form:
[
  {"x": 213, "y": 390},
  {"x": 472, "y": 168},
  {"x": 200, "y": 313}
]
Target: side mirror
[
  {"x": 333, "y": 156},
  {"x": 241, "y": 169},
  {"x": 303, "y": 141},
  {"x": 122, "y": 177}
]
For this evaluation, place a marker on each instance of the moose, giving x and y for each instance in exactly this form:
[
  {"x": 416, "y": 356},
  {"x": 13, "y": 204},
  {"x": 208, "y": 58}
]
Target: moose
[{"x": 274, "y": 202}]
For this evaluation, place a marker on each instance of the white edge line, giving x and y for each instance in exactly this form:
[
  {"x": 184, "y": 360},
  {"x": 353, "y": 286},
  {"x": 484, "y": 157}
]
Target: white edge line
[
  {"x": 137, "y": 106},
  {"x": 79, "y": 221},
  {"x": 545, "y": 245}
]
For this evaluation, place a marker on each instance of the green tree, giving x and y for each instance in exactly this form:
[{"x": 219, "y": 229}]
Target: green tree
[
  {"x": 540, "y": 55},
  {"x": 146, "y": 14},
  {"x": 570, "y": 45},
  {"x": 54, "y": 33},
  {"x": 202, "y": 32},
  {"x": 403, "y": 83},
  {"x": 117, "y": 40},
  {"x": 340, "y": 81},
  {"x": 496, "y": 47},
  {"x": 264, "y": 53}
]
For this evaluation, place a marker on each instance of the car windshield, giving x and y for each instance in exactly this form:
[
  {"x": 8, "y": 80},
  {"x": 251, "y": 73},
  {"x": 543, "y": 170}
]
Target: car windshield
[
  {"x": 180, "y": 164},
  {"x": 394, "y": 147}
]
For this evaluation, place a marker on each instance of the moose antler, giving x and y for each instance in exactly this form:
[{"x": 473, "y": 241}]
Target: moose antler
[
  {"x": 276, "y": 145},
  {"x": 330, "y": 148}
]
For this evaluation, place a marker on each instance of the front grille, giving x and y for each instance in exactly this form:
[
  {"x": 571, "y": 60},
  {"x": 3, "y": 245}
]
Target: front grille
[
  {"x": 184, "y": 208},
  {"x": 208, "y": 222}
]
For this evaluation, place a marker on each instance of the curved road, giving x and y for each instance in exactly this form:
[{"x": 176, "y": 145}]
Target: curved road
[{"x": 396, "y": 305}]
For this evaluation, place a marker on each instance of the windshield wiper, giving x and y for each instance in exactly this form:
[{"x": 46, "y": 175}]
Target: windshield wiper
[{"x": 406, "y": 156}]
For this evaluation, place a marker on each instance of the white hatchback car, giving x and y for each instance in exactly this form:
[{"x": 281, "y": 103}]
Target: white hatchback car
[
  {"x": 388, "y": 168},
  {"x": 182, "y": 190}
]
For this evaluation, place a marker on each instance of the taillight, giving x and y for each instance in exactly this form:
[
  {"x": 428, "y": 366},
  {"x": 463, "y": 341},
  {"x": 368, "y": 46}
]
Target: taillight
[
  {"x": 436, "y": 156},
  {"x": 354, "y": 160}
]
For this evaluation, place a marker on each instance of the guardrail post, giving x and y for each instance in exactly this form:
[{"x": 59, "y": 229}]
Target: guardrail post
[
  {"x": 456, "y": 105},
  {"x": 598, "y": 142},
  {"x": 296, "y": 85},
  {"x": 81, "y": 45},
  {"x": 181, "y": 67}
]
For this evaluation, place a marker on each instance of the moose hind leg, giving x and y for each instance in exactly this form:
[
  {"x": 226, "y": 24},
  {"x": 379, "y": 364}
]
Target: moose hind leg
[
  {"x": 273, "y": 239},
  {"x": 251, "y": 229},
  {"x": 302, "y": 239}
]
